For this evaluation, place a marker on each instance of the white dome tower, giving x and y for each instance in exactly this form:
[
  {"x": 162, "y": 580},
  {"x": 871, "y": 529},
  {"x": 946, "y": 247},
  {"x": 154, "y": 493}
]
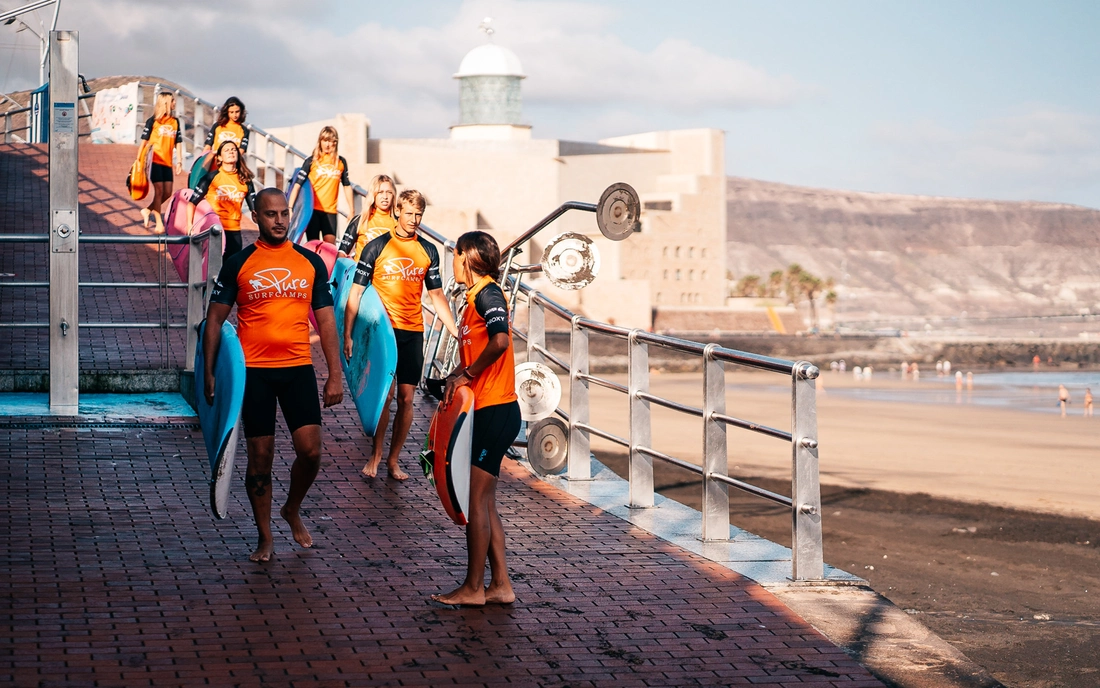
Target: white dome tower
[{"x": 490, "y": 102}]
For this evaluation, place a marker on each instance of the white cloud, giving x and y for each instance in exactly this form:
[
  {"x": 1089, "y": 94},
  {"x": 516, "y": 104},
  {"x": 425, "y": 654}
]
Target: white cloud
[
  {"x": 1039, "y": 153},
  {"x": 293, "y": 66}
]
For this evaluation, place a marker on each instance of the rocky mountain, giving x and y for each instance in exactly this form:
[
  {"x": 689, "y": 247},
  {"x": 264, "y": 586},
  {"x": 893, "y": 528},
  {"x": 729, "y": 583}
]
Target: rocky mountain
[{"x": 899, "y": 258}]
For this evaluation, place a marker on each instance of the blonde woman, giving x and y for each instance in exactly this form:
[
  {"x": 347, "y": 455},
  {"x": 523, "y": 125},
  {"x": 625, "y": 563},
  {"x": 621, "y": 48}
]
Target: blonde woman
[
  {"x": 377, "y": 219},
  {"x": 162, "y": 131},
  {"x": 326, "y": 171}
]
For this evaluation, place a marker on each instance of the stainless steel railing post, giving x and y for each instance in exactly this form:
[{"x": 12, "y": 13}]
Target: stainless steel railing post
[
  {"x": 213, "y": 262},
  {"x": 269, "y": 163},
  {"x": 288, "y": 168},
  {"x": 807, "y": 559},
  {"x": 579, "y": 463},
  {"x": 536, "y": 328},
  {"x": 716, "y": 497},
  {"x": 195, "y": 293},
  {"x": 199, "y": 129},
  {"x": 641, "y": 435}
]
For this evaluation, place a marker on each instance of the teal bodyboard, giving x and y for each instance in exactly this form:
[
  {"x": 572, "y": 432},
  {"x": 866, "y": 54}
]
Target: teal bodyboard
[
  {"x": 198, "y": 168},
  {"x": 370, "y": 372},
  {"x": 302, "y": 210},
  {"x": 220, "y": 421}
]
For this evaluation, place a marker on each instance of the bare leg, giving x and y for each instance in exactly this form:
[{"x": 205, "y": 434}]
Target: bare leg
[
  {"x": 402, "y": 421},
  {"x": 257, "y": 483},
  {"x": 478, "y": 536},
  {"x": 307, "y": 447},
  {"x": 371, "y": 469},
  {"x": 500, "y": 585},
  {"x": 161, "y": 192}
]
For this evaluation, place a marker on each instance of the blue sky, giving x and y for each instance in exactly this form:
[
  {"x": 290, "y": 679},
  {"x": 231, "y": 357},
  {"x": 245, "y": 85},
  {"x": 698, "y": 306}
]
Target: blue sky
[{"x": 972, "y": 99}]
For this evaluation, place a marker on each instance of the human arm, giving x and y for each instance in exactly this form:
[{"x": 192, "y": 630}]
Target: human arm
[
  {"x": 350, "y": 313},
  {"x": 299, "y": 179},
  {"x": 443, "y": 310},
  {"x": 326, "y": 326},
  {"x": 461, "y": 377},
  {"x": 216, "y": 315},
  {"x": 179, "y": 148},
  {"x": 208, "y": 145},
  {"x": 202, "y": 187},
  {"x": 351, "y": 235}
]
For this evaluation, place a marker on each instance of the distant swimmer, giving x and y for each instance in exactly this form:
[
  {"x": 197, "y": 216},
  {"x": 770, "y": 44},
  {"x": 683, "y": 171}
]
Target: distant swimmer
[
  {"x": 1088, "y": 402},
  {"x": 914, "y": 370},
  {"x": 958, "y": 380},
  {"x": 229, "y": 127},
  {"x": 274, "y": 284},
  {"x": 228, "y": 188},
  {"x": 947, "y": 367},
  {"x": 1063, "y": 398},
  {"x": 487, "y": 366},
  {"x": 163, "y": 132},
  {"x": 1036, "y": 361},
  {"x": 326, "y": 171},
  {"x": 400, "y": 265},
  {"x": 376, "y": 219}
]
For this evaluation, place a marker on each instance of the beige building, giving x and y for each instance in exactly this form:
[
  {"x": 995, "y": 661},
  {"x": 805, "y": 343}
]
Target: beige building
[{"x": 491, "y": 174}]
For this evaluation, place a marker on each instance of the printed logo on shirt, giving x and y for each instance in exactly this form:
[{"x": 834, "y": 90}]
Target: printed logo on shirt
[
  {"x": 324, "y": 169},
  {"x": 229, "y": 193},
  {"x": 401, "y": 269},
  {"x": 227, "y": 136},
  {"x": 276, "y": 282},
  {"x": 166, "y": 130},
  {"x": 500, "y": 315}
]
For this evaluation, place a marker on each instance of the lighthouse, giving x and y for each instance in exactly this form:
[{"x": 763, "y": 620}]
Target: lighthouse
[{"x": 490, "y": 101}]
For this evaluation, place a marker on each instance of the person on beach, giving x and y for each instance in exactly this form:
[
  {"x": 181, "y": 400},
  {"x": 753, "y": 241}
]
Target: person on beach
[
  {"x": 227, "y": 187},
  {"x": 1088, "y": 402},
  {"x": 162, "y": 131},
  {"x": 1063, "y": 398},
  {"x": 274, "y": 284},
  {"x": 326, "y": 171},
  {"x": 379, "y": 214},
  {"x": 401, "y": 265},
  {"x": 487, "y": 366},
  {"x": 229, "y": 127}
]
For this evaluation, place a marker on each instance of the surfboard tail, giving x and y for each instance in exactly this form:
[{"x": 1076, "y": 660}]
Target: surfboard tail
[{"x": 222, "y": 474}]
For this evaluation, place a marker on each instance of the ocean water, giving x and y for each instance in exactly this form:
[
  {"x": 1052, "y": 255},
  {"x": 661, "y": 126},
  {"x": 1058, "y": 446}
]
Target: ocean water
[{"x": 1022, "y": 391}]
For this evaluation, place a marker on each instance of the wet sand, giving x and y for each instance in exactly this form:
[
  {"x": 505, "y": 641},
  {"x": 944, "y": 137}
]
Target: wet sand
[{"x": 984, "y": 523}]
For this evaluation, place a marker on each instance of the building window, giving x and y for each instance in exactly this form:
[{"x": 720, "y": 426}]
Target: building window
[
  {"x": 664, "y": 252},
  {"x": 677, "y": 251},
  {"x": 666, "y": 274},
  {"x": 703, "y": 253},
  {"x": 658, "y": 299},
  {"x": 691, "y": 275},
  {"x": 657, "y": 205},
  {"x": 703, "y": 275},
  {"x": 678, "y": 275},
  {"x": 691, "y": 252}
]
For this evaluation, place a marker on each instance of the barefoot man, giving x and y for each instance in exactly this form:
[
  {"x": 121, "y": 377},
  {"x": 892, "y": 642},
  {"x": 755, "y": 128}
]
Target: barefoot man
[
  {"x": 400, "y": 264},
  {"x": 274, "y": 284}
]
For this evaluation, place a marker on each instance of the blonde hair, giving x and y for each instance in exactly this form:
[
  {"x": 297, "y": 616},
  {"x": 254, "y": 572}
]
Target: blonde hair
[
  {"x": 165, "y": 104},
  {"x": 374, "y": 187},
  {"x": 412, "y": 196},
  {"x": 327, "y": 132}
]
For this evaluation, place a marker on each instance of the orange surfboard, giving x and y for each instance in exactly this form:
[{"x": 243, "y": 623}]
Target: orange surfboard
[
  {"x": 138, "y": 180},
  {"x": 446, "y": 458}
]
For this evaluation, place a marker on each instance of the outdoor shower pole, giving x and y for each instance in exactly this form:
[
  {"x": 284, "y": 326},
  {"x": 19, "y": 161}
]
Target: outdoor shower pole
[{"x": 64, "y": 227}]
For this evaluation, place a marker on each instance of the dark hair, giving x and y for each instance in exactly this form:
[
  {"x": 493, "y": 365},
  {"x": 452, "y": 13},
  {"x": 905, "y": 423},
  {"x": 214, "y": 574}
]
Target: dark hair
[
  {"x": 481, "y": 252},
  {"x": 223, "y": 114},
  {"x": 243, "y": 173}
]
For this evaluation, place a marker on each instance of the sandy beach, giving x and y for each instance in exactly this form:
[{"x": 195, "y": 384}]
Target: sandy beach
[{"x": 1026, "y": 460}]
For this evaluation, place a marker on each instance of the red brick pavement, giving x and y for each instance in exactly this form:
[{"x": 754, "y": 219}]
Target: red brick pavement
[
  {"x": 119, "y": 576},
  {"x": 105, "y": 208}
]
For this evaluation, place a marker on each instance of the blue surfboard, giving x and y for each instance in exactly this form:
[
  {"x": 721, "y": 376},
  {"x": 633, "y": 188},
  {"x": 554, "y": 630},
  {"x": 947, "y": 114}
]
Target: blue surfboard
[
  {"x": 374, "y": 351},
  {"x": 220, "y": 422},
  {"x": 302, "y": 210}
]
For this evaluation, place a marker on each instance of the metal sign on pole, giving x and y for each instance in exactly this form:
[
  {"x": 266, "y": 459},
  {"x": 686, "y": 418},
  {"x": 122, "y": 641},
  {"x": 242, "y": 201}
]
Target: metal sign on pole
[{"x": 64, "y": 226}]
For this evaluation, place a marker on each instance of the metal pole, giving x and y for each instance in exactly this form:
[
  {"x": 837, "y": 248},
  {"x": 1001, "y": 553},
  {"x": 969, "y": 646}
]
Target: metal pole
[
  {"x": 64, "y": 228},
  {"x": 199, "y": 130},
  {"x": 641, "y": 465},
  {"x": 536, "y": 328},
  {"x": 269, "y": 163},
  {"x": 807, "y": 559},
  {"x": 195, "y": 292},
  {"x": 716, "y": 495},
  {"x": 580, "y": 465}
]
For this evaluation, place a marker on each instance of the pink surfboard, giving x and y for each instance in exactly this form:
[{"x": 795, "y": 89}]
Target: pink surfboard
[
  {"x": 176, "y": 225},
  {"x": 327, "y": 252}
]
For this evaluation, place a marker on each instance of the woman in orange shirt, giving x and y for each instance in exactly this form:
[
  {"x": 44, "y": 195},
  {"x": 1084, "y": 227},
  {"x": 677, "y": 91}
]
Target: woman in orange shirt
[
  {"x": 227, "y": 187},
  {"x": 380, "y": 218},
  {"x": 162, "y": 131},
  {"x": 230, "y": 126},
  {"x": 488, "y": 367},
  {"x": 326, "y": 170}
]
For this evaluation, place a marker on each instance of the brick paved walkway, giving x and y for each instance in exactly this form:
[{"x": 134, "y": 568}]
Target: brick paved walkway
[{"x": 119, "y": 576}]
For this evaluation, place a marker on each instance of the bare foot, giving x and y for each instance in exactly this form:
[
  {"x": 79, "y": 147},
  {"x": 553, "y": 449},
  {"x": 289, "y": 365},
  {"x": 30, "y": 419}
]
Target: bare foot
[
  {"x": 145, "y": 217},
  {"x": 395, "y": 471},
  {"x": 160, "y": 222},
  {"x": 264, "y": 552},
  {"x": 463, "y": 597},
  {"x": 501, "y": 594},
  {"x": 297, "y": 528},
  {"x": 371, "y": 469}
]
